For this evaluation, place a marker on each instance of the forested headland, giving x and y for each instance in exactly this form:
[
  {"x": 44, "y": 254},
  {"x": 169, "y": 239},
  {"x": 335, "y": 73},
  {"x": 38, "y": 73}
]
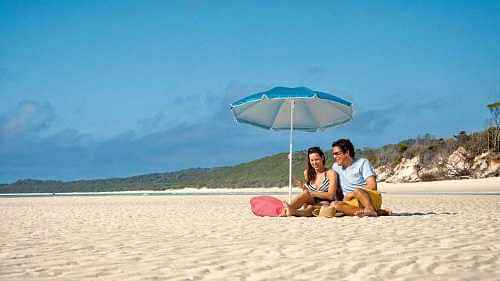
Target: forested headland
[{"x": 429, "y": 154}]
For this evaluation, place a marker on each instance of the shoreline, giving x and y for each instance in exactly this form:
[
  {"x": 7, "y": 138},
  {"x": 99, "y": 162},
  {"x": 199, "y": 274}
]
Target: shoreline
[{"x": 485, "y": 186}]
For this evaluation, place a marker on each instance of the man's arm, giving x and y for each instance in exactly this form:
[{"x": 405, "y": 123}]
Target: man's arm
[
  {"x": 348, "y": 196},
  {"x": 369, "y": 174},
  {"x": 371, "y": 183}
]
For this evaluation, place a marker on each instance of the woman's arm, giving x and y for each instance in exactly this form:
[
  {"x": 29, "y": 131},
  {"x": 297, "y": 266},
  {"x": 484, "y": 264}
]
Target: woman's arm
[
  {"x": 300, "y": 183},
  {"x": 332, "y": 187}
]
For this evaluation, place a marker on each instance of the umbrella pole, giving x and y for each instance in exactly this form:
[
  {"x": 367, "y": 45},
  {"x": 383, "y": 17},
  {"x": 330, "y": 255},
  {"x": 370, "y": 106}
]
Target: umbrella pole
[{"x": 290, "y": 155}]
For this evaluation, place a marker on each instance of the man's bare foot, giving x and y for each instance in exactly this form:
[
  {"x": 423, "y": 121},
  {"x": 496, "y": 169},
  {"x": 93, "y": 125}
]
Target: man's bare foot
[
  {"x": 384, "y": 212},
  {"x": 366, "y": 213}
]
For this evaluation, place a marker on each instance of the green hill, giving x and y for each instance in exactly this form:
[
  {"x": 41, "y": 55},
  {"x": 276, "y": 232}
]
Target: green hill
[{"x": 265, "y": 172}]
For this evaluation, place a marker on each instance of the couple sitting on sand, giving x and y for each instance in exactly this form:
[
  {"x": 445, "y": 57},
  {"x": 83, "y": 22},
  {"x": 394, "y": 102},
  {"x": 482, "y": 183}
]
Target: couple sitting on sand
[{"x": 357, "y": 194}]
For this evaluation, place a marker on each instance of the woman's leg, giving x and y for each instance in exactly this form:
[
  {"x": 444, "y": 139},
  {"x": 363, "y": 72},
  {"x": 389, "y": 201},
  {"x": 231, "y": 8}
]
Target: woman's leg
[
  {"x": 297, "y": 202},
  {"x": 305, "y": 212}
]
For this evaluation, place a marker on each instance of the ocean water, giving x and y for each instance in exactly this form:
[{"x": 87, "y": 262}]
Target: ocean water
[
  {"x": 215, "y": 193},
  {"x": 146, "y": 193}
]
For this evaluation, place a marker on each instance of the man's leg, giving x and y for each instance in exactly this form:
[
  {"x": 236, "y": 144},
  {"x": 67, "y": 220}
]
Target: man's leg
[
  {"x": 364, "y": 199},
  {"x": 345, "y": 208},
  {"x": 350, "y": 210}
]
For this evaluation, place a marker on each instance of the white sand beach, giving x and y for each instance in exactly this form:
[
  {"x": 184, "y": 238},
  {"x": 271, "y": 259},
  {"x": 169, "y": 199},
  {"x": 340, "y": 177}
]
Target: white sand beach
[{"x": 216, "y": 237}]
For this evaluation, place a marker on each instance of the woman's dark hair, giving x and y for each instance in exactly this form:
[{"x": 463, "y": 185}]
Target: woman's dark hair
[
  {"x": 344, "y": 145},
  {"x": 311, "y": 173}
]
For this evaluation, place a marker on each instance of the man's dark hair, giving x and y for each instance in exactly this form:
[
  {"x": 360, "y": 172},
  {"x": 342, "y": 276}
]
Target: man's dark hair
[{"x": 344, "y": 145}]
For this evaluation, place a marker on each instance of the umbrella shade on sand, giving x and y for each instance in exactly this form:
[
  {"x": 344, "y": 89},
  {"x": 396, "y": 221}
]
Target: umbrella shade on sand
[{"x": 291, "y": 109}]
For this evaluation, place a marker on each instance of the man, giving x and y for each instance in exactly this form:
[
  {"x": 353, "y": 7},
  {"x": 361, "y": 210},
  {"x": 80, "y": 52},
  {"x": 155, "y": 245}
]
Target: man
[{"x": 358, "y": 182}]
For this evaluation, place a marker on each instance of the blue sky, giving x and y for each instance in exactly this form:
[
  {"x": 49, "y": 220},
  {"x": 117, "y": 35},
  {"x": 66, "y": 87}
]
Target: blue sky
[{"x": 94, "y": 89}]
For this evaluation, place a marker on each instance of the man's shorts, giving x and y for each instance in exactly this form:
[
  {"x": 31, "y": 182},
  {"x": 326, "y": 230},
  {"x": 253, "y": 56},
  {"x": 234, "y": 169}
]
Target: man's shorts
[{"x": 375, "y": 198}]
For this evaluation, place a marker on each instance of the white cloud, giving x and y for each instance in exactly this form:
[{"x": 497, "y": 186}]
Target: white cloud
[{"x": 28, "y": 119}]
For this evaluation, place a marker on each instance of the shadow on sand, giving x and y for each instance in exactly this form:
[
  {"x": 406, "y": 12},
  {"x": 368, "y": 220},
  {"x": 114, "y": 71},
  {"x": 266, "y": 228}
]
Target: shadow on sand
[{"x": 420, "y": 214}]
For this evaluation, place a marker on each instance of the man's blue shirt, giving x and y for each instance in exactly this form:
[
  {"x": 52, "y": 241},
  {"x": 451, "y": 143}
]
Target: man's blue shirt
[{"x": 355, "y": 175}]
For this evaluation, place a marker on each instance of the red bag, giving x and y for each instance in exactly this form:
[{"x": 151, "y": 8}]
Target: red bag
[{"x": 267, "y": 206}]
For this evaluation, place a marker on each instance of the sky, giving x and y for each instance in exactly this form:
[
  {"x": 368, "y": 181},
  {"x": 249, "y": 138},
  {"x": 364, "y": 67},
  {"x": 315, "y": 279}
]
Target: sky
[{"x": 99, "y": 89}]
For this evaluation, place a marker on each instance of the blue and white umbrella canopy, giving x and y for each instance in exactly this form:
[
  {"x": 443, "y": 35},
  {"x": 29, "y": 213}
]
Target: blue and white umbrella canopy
[
  {"x": 291, "y": 109},
  {"x": 313, "y": 110}
]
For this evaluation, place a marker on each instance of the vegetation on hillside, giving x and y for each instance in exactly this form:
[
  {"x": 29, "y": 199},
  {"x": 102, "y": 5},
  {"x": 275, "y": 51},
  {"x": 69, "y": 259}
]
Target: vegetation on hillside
[
  {"x": 265, "y": 172},
  {"x": 430, "y": 149}
]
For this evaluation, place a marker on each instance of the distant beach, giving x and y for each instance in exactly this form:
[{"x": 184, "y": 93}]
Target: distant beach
[
  {"x": 449, "y": 235},
  {"x": 465, "y": 186}
]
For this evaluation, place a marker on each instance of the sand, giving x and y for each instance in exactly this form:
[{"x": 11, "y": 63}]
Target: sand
[
  {"x": 216, "y": 237},
  {"x": 487, "y": 185}
]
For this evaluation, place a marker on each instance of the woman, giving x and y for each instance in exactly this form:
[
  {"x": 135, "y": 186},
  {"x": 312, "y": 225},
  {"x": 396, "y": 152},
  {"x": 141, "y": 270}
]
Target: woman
[{"x": 320, "y": 186}]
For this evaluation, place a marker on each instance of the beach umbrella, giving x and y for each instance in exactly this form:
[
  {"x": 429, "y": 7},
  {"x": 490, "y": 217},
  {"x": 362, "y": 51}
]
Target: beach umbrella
[{"x": 300, "y": 108}]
